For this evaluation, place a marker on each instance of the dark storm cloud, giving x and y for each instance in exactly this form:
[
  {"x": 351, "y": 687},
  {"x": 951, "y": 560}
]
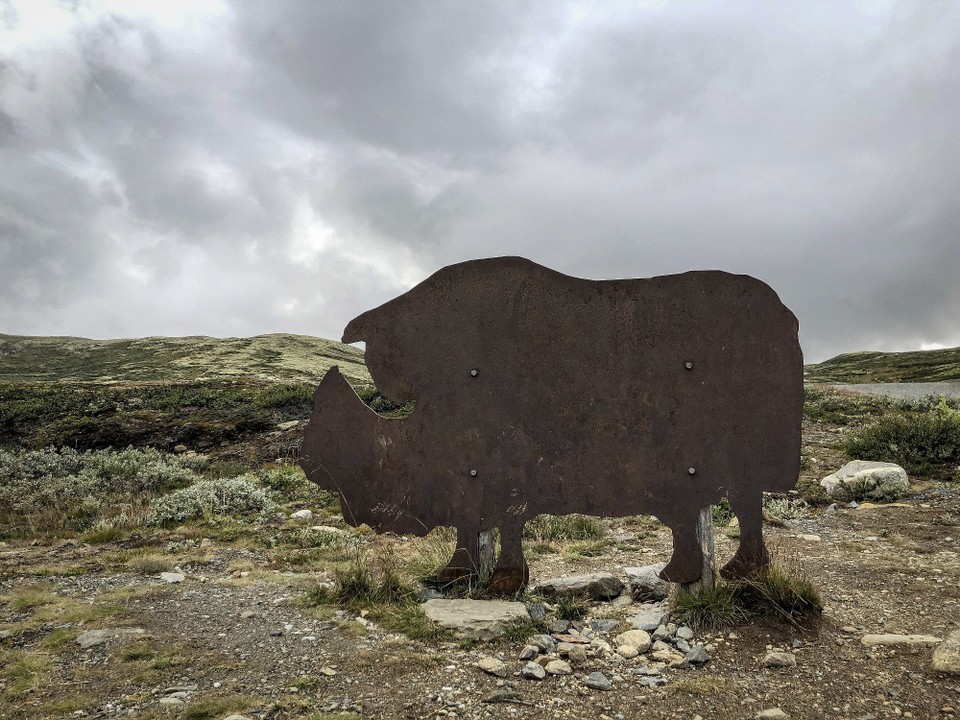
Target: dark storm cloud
[{"x": 278, "y": 166}]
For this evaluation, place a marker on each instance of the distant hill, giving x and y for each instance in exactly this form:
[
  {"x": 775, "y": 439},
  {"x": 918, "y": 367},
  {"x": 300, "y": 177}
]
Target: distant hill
[
  {"x": 276, "y": 357},
  {"x": 880, "y": 367}
]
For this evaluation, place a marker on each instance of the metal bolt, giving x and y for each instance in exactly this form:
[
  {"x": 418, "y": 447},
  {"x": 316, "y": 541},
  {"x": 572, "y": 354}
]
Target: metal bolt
[
  {"x": 473, "y": 473},
  {"x": 688, "y": 365},
  {"x": 691, "y": 470},
  {"x": 474, "y": 372}
]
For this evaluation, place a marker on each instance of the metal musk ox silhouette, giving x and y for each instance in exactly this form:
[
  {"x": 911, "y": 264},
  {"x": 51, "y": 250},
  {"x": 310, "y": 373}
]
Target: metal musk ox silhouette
[{"x": 542, "y": 393}]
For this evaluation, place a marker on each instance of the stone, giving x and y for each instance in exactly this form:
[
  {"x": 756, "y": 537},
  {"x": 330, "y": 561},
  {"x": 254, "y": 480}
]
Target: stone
[
  {"x": 779, "y": 660},
  {"x": 493, "y": 666},
  {"x": 627, "y": 651},
  {"x": 302, "y": 515},
  {"x": 577, "y": 654},
  {"x": 604, "y": 624},
  {"x": 288, "y": 425},
  {"x": 809, "y": 538},
  {"x": 236, "y": 717},
  {"x": 772, "y": 714},
  {"x": 635, "y": 638},
  {"x": 92, "y": 638},
  {"x": 682, "y": 645},
  {"x": 171, "y": 701},
  {"x": 532, "y": 671},
  {"x": 4, "y": 634},
  {"x": 529, "y": 652},
  {"x": 648, "y": 617},
  {"x": 646, "y": 584},
  {"x": 697, "y": 655},
  {"x": 908, "y": 640},
  {"x": 537, "y": 612},
  {"x": 946, "y": 657},
  {"x": 598, "y": 681},
  {"x": 595, "y": 586},
  {"x": 172, "y": 577},
  {"x": 684, "y": 633},
  {"x": 476, "y": 619},
  {"x": 866, "y": 479},
  {"x": 560, "y": 626},
  {"x": 558, "y": 667},
  {"x": 544, "y": 643},
  {"x": 669, "y": 657}
]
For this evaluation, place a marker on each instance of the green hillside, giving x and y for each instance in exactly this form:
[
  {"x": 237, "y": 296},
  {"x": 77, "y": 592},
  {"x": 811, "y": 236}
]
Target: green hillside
[
  {"x": 272, "y": 358},
  {"x": 889, "y": 367}
]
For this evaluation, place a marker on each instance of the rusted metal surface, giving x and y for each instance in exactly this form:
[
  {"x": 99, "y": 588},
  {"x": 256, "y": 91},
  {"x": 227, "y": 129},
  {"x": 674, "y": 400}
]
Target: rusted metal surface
[{"x": 542, "y": 393}]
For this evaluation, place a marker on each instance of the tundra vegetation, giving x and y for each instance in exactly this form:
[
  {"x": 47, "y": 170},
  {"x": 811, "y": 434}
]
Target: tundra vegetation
[{"x": 103, "y": 487}]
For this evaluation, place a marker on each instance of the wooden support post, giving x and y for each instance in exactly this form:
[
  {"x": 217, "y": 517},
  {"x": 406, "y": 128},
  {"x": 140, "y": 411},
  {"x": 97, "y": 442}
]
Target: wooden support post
[
  {"x": 486, "y": 554},
  {"x": 705, "y": 538}
]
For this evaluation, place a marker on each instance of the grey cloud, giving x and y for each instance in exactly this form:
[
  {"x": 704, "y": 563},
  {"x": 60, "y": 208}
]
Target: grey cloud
[{"x": 288, "y": 165}]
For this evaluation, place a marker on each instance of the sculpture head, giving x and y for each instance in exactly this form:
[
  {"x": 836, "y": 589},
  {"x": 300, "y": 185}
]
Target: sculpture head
[{"x": 347, "y": 449}]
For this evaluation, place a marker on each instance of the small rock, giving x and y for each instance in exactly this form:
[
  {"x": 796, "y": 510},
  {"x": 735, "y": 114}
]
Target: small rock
[
  {"x": 560, "y": 626},
  {"x": 772, "y": 714},
  {"x": 92, "y": 638},
  {"x": 892, "y": 639},
  {"x": 247, "y": 614},
  {"x": 4, "y": 634},
  {"x": 809, "y": 538},
  {"x": 577, "y": 654},
  {"x": 946, "y": 657},
  {"x": 596, "y": 586},
  {"x": 604, "y": 624},
  {"x": 627, "y": 651},
  {"x": 697, "y": 655},
  {"x": 558, "y": 667},
  {"x": 684, "y": 633},
  {"x": 648, "y": 617},
  {"x": 477, "y": 619},
  {"x": 544, "y": 643},
  {"x": 503, "y": 695},
  {"x": 637, "y": 638},
  {"x": 171, "y": 701},
  {"x": 779, "y": 660},
  {"x": 537, "y": 612},
  {"x": 236, "y": 717},
  {"x": 276, "y": 633},
  {"x": 532, "y": 671},
  {"x": 493, "y": 666},
  {"x": 598, "y": 681},
  {"x": 646, "y": 583},
  {"x": 682, "y": 645},
  {"x": 529, "y": 652},
  {"x": 302, "y": 515},
  {"x": 288, "y": 425},
  {"x": 172, "y": 577}
]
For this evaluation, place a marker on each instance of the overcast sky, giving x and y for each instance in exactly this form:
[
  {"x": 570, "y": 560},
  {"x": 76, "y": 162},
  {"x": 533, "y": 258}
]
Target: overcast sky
[{"x": 175, "y": 167}]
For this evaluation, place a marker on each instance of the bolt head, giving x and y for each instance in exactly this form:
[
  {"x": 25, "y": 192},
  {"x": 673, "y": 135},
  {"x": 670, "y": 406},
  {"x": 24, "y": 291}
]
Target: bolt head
[
  {"x": 474, "y": 372},
  {"x": 473, "y": 473},
  {"x": 688, "y": 365},
  {"x": 691, "y": 470}
]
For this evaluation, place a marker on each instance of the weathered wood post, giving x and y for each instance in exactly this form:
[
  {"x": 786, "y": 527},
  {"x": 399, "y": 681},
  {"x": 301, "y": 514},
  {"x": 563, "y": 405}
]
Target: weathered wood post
[
  {"x": 487, "y": 553},
  {"x": 705, "y": 538}
]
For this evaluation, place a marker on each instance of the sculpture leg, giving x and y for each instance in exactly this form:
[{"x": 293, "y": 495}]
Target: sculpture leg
[
  {"x": 511, "y": 573},
  {"x": 751, "y": 557},
  {"x": 686, "y": 564},
  {"x": 463, "y": 566}
]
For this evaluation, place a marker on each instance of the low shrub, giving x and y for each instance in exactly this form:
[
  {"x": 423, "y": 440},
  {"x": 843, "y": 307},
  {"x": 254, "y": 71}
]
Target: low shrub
[
  {"x": 925, "y": 444},
  {"x": 547, "y": 528},
  {"x": 780, "y": 593},
  {"x": 209, "y": 499},
  {"x": 55, "y": 490}
]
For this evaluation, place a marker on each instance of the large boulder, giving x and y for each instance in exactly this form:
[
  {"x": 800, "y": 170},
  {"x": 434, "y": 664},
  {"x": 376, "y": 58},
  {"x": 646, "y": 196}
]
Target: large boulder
[
  {"x": 594, "y": 586},
  {"x": 867, "y": 480},
  {"x": 476, "y": 619},
  {"x": 646, "y": 584}
]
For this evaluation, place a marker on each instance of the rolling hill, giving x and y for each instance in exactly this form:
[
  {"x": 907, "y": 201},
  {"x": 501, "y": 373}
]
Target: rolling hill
[
  {"x": 271, "y": 358},
  {"x": 887, "y": 367}
]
